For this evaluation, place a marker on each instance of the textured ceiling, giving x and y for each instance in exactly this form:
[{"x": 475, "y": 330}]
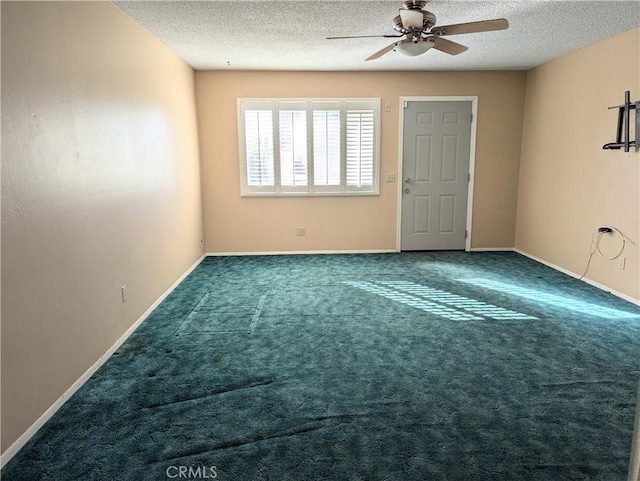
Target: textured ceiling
[{"x": 290, "y": 35}]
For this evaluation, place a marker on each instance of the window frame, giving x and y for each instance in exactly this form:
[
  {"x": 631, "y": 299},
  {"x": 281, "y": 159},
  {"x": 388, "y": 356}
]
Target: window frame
[{"x": 275, "y": 105}]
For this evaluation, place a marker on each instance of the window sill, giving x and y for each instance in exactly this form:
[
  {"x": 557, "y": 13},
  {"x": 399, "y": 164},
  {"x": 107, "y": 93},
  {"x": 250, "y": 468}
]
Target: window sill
[{"x": 314, "y": 194}]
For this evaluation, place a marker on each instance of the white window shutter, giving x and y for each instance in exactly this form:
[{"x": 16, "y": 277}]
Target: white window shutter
[
  {"x": 360, "y": 148},
  {"x": 293, "y": 148},
  {"x": 258, "y": 129},
  {"x": 309, "y": 146},
  {"x": 326, "y": 147}
]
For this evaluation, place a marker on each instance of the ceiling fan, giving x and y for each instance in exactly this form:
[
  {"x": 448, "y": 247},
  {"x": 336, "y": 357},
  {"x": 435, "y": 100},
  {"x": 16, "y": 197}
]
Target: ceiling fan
[{"x": 419, "y": 28}]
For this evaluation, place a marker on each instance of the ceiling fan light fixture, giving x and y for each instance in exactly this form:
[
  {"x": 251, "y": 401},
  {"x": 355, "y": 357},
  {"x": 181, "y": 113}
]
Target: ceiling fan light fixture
[{"x": 413, "y": 49}]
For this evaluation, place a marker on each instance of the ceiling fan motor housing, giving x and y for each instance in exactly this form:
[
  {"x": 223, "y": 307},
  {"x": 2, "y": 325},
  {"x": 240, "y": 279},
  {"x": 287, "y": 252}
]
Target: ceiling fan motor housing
[{"x": 428, "y": 21}]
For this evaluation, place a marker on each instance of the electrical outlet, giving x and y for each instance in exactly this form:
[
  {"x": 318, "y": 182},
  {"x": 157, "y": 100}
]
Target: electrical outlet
[
  {"x": 301, "y": 231},
  {"x": 622, "y": 262},
  {"x": 124, "y": 294}
]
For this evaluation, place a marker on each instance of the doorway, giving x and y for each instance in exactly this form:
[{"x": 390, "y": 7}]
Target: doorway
[{"x": 436, "y": 159}]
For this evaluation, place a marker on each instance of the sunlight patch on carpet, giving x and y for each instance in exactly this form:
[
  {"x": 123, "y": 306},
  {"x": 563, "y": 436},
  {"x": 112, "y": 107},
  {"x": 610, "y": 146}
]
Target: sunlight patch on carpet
[
  {"x": 551, "y": 299},
  {"x": 477, "y": 307},
  {"x": 437, "y": 302}
]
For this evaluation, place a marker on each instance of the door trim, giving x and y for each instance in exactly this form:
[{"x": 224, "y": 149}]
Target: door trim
[{"x": 472, "y": 160}]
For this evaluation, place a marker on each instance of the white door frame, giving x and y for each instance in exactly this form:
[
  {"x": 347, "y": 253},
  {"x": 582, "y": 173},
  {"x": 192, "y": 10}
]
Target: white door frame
[{"x": 472, "y": 159}]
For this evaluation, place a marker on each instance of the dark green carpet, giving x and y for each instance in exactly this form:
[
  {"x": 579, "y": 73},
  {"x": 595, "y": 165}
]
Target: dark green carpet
[{"x": 413, "y": 366}]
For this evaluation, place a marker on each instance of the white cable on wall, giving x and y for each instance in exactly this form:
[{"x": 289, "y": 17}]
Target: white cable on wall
[{"x": 595, "y": 246}]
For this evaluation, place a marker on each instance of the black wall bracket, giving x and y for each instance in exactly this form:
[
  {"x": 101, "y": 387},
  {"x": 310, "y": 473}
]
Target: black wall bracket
[{"x": 624, "y": 112}]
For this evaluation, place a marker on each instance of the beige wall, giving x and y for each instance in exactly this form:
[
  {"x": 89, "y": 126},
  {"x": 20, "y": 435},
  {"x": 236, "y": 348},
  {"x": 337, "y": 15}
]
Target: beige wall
[
  {"x": 568, "y": 185},
  {"x": 100, "y": 188},
  {"x": 235, "y": 224}
]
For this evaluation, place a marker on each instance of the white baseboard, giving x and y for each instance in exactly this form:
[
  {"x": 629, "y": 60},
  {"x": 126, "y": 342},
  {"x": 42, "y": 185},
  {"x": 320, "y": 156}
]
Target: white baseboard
[
  {"x": 288, "y": 253},
  {"x": 626, "y": 297},
  {"x": 33, "y": 429},
  {"x": 371, "y": 251}
]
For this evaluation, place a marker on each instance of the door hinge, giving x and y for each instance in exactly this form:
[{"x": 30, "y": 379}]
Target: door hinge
[
  {"x": 469, "y": 177},
  {"x": 471, "y": 117},
  {"x": 406, "y": 104},
  {"x": 466, "y": 234}
]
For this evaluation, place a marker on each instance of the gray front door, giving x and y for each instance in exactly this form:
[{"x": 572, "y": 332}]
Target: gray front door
[{"x": 436, "y": 152}]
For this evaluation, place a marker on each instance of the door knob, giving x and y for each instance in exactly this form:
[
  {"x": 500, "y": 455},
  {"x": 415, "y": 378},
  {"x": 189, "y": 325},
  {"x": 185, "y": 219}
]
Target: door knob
[
  {"x": 407, "y": 190},
  {"x": 408, "y": 180}
]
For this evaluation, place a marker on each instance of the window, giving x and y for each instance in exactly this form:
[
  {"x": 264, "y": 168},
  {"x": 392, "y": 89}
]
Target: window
[{"x": 309, "y": 147}]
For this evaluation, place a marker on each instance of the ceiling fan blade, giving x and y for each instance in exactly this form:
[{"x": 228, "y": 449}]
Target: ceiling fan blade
[
  {"x": 447, "y": 46},
  {"x": 366, "y": 36},
  {"x": 380, "y": 53},
  {"x": 471, "y": 27},
  {"x": 411, "y": 18}
]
